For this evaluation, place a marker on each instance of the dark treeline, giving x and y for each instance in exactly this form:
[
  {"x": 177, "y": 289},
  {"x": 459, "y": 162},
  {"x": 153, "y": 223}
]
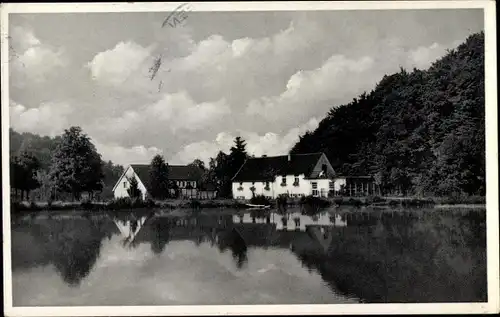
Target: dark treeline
[
  {"x": 67, "y": 166},
  {"x": 419, "y": 132},
  {"x": 43, "y": 168}
]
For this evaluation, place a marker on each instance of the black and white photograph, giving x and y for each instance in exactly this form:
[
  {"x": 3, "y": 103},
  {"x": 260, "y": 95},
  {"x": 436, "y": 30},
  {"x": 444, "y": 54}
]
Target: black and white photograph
[{"x": 249, "y": 158}]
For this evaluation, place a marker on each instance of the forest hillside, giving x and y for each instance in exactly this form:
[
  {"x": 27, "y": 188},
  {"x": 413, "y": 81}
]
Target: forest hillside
[{"x": 420, "y": 132}]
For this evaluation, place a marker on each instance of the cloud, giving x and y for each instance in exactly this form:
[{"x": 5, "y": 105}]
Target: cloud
[
  {"x": 115, "y": 66},
  {"x": 47, "y": 119},
  {"x": 163, "y": 120},
  {"x": 338, "y": 78},
  {"x": 126, "y": 155},
  {"x": 266, "y": 144},
  {"x": 32, "y": 60},
  {"x": 423, "y": 56}
]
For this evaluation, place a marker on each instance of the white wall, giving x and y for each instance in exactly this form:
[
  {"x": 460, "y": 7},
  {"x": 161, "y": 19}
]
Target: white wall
[
  {"x": 246, "y": 193},
  {"x": 339, "y": 181},
  {"x": 121, "y": 189},
  {"x": 304, "y": 187},
  {"x": 275, "y": 188},
  {"x": 323, "y": 186}
]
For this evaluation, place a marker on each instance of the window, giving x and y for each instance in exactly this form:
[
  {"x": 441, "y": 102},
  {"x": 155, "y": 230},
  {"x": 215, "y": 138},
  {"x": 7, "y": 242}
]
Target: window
[
  {"x": 315, "y": 192},
  {"x": 124, "y": 184},
  {"x": 241, "y": 184},
  {"x": 253, "y": 183},
  {"x": 324, "y": 169},
  {"x": 296, "y": 181},
  {"x": 332, "y": 185},
  {"x": 314, "y": 185},
  {"x": 283, "y": 180}
]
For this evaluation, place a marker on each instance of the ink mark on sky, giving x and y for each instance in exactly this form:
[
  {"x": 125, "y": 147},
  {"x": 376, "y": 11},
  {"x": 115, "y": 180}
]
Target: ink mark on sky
[
  {"x": 178, "y": 16},
  {"x": 153, "y": 70}
]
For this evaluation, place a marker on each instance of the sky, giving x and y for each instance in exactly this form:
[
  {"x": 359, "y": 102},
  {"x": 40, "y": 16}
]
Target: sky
[{"x": 265, "y": 76}]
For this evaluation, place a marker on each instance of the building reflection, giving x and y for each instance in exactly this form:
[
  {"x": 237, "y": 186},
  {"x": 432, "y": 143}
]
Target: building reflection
[{"x": 73, "y": 245}]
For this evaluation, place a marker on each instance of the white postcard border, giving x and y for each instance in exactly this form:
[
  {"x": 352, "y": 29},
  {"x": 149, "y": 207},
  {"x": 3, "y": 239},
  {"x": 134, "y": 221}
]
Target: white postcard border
[{"x": 491, "y": 165}]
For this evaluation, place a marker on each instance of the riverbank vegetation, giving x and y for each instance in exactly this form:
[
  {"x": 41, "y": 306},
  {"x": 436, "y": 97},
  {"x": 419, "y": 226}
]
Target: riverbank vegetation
[{"x": 311, "y": 204}]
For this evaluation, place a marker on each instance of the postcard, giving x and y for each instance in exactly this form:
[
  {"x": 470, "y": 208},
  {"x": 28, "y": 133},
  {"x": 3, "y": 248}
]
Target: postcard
[{"x": 249, "y": 158}]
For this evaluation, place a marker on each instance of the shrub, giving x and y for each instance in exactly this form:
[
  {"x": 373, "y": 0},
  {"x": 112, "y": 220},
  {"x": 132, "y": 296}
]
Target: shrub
[
  {"x": 338, "y": 201},
  {"x": 415, "y": 202},
  {"x": 355, "y": 202},
  {"x": 260, "y": 200},
  {"x": 314, "y": 201}
]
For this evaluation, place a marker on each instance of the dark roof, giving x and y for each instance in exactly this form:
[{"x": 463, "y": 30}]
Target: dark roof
[
  {"x": 266, "y": 168},
  {"x": 175, "y": 172}
]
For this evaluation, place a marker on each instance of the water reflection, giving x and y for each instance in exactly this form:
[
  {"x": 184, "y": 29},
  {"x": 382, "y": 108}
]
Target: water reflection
[{"x": 372, "y": 256}]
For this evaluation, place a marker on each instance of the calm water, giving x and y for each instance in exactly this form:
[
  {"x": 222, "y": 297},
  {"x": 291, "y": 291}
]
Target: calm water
[{"x": 247, "y": 258}]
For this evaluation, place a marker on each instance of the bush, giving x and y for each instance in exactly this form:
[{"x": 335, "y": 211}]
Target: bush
[
  {"x": 314, "y": 202},
  {"x": 87, "y": 205},
  {"x": 260, "y": 200},
  {"x": 355, "y": 202},
  {"x": 129, "y": 203},
  {"x": 415, "y": 202}
]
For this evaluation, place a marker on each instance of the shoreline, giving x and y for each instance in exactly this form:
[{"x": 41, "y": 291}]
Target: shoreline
[{"x": 224, "y": 204}]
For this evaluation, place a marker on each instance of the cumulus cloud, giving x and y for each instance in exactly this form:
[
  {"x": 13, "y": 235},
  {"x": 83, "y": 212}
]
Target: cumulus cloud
[
  {"x": 172, "y": 114},
  {"x": 126, "y": 155},
  {"x": 115, "y": 66},
  {"x": 32, "y": 60},
  {"x": 338, "y": 78},
  {"x": 47, "y": 119},
  {"x": 423, "y": 56},
  {"x": 269, "y": 143}
]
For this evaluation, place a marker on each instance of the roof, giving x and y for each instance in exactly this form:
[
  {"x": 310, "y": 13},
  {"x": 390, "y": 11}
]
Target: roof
[
  {"x": 175, "y": 172},
  {"x": 266, "y": 168}
]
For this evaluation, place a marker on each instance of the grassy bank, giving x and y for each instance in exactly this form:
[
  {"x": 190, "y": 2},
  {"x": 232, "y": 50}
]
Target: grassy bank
[
  {"x": 124, "y": 204},
  {"x": 283, "y": 201}
]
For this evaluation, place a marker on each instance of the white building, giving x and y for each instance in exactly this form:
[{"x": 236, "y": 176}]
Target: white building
[
  {"x": 187, "y": 179},
  {"x": 295, "y": 175}
]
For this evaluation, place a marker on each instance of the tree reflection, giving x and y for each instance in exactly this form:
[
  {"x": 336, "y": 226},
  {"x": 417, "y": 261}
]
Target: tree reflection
[
  {"x": 233, "y": 241},
  {"x": 161, "y": 235},
  {"x": 435, "y": 257},
  {"x": 71, "y": 245}
]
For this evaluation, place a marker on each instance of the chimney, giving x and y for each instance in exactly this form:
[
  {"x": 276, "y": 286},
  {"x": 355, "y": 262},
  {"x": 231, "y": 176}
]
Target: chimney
[{"x": 289, "y": 158}]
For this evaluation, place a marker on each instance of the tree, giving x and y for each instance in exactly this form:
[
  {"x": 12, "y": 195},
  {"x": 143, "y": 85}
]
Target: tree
[
  {"x": 133, "y": 190},
  {"x": 159, "y": 184},
  {"x": 419, "y": 131},
  {"x": 199, "y": 170},
  {"x": 235, "y": 160},
  {"x": 76, "y": 165},
  {"x": 23, "y": 173},
  {"x": 198, "y": 163},
  {"x": 238, "y": 153}
]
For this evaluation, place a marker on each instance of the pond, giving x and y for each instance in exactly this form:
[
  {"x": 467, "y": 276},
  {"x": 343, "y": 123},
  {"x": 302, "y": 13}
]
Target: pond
[{"x": 249, "y": 257}]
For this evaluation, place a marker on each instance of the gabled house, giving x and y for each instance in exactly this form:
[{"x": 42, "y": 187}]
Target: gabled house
[
  {"x": 186, "y": 177},
  {"x": 295, "y": 175}
]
